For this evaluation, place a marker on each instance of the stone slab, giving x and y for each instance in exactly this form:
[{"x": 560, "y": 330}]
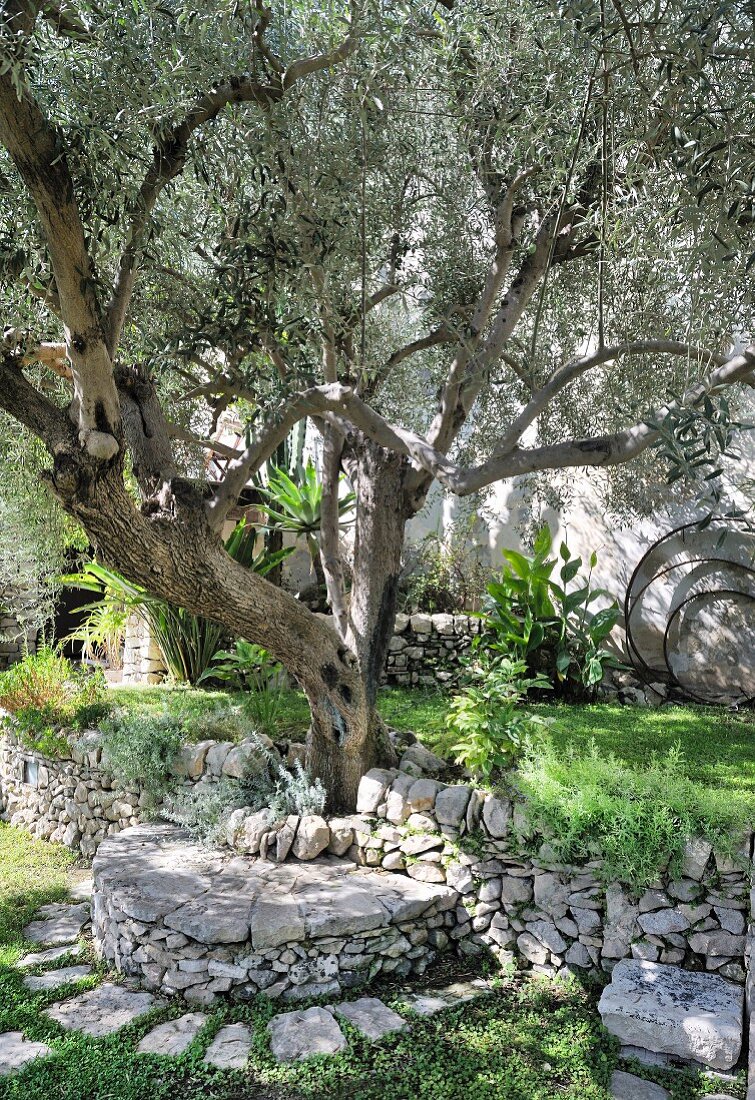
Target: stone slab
[
  {"x": 103, "y": 1010},
  {"x": 52, "y": 954},
  {"x": 370, "y": 1016},
  {"x": 173, "y": 1037},
  {"x": 230, "y": 1048},
  {"x": 671, "y": 1011},
  {"x": 625, "y": 1086},
  {"x": 57, "y": 924},
  {"x": 16, "y": 1051},
  {"x": 436, "y": 1000},
  {"x": 295, "y": 1036},
  {"x": 37, "y": 983}
]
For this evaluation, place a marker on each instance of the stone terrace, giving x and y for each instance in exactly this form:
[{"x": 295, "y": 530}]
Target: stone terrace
[{"x": 186, "y": 919}]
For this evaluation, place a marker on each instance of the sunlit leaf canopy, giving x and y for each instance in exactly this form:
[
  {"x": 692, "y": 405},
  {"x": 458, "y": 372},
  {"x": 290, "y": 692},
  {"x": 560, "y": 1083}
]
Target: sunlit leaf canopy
[{"x": 382, "y": 174}]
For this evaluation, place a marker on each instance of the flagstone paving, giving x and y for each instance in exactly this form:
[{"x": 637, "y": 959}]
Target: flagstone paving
[
  {"x": 16, "y": 1052},
  {"x": 230, "y": 1048},
  {"x": 58, "y": 924},
  {"x": 54, "y": 978},
  {"x": 370, "y": 1016},
  {"x": 173, "y": 1037},
  {"x": 298, "y": 1035},
  {"x": 427, "y": 1004},
  {"x": 103, "y": 1010},
  {"x": 52, "y": 954}
]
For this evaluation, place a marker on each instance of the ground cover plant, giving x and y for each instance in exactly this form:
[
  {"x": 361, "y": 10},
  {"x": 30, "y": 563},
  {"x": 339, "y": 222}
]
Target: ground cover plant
[{"x": 532, "y": 1039}]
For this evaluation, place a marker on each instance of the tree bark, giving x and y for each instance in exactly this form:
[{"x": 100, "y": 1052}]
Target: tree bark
[{"x": 381, "y": 516}]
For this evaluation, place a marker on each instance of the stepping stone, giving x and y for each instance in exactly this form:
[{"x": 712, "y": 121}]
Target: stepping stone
[
  {"x": 625, "y": 1086},
  {"x": 57, "y": 924},
  {"x": 82, "y": 891},
  {"x": 103, "y": 1010},
  {"x": 40, "y": 958},
  {"x": 174, "y": 1036},
  {"x": 230, "y": 1048},
  {"x": 370, "y": 1016},
  {"x": 298, "y": 1035},
  {"x": 16, "y": 1051},
  {"x": 671, "y": 1011},
  {"x": 54, "y": 978},
  {"x": 427, "y": 1004}
]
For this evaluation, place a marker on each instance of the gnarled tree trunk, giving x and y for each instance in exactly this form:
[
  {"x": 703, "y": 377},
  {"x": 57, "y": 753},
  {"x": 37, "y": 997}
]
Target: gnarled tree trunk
[{"x": 173, "y": 553}]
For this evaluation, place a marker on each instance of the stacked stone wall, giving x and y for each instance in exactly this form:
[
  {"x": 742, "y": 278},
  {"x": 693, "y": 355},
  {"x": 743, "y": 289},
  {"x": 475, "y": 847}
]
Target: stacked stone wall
[{"x": 525, "y": 908}]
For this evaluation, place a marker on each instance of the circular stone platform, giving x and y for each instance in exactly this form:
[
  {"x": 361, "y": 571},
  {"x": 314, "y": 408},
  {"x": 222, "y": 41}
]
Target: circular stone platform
[{"x": 185, "y": 918}]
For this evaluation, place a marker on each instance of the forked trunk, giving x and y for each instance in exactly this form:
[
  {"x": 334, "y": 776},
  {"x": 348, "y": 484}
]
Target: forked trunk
[{"x": 342, "y": 757}]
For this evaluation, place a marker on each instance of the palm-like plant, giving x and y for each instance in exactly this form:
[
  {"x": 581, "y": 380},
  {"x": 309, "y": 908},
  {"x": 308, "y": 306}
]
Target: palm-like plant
[
  {"x": 187, "y": 642},
  {"x": 295, "y": 505}
]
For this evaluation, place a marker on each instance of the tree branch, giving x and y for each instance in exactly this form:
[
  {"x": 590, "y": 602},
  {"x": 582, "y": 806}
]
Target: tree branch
[{"x": 343, "y": 404}]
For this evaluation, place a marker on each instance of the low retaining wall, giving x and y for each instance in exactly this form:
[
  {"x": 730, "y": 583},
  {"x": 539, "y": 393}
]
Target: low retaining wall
[
  {"x": 76, "y": 802},
  {"x": 183, "y": 918},
  {"x": 546, "y": 915}
]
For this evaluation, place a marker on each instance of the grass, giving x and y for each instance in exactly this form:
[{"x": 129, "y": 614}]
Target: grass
[{"x": 531, "y": 1039}]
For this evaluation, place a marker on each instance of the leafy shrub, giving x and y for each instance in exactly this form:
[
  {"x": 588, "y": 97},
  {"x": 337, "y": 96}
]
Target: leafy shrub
[
  {"x": 139, "y": 749},
  {"x": 589, "y": 806},
  {"x": 187, "y": 642},
  {"x": 530, "y": 615},
  {"x": 46, "y": 693},
  {"x": 204, "y": 808},
  {"x": 490, "y": 728},
  {"x": 248, "y": 667}
]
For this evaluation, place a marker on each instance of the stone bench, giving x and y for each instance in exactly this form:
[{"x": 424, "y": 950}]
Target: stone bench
[{"x": 184, "y": 918}]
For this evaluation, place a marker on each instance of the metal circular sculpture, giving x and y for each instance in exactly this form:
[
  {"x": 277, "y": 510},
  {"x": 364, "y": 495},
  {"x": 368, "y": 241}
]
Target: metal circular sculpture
[{"x": 690, "y": 612}]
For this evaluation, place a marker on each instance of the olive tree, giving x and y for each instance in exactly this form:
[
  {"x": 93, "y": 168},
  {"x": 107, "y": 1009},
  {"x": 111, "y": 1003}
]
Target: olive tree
[{"x": 468, "y": 244}]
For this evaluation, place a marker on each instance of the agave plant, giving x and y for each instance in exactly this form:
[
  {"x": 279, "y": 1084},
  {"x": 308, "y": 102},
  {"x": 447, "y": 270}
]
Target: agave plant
[{"x": 296, "y": 506}]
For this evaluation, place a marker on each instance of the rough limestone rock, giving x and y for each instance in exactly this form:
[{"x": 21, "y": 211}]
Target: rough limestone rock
[
  {"x": 717, "y": 943},
  {"x": 662, "y": 922},
  {"x": 54, "y": 978},
  {"x": 372, "y": 788},
  {"x": 230, "y": 1048},
  {"x": 696, "y": 855},
  {"x": 423, "y": 759},
  {"x": 370, "y": 1016},
  {"x": 496, "y": 814},
  {"x": 57, "y": 924},
  {"x": 625, "y": 1086},
  {"x": 103, "y": 1010},
  {"x": 173, "y": 1037},
  {"x": 312, "y": 837},
  {"x": 16, "y": 1051},
  {"x": 672, "y": 1011},
  {"x": 52, "y": 954},
  {"x": 298, "y": 1035},
  {"x": 422, "y": 795},
  {"x": 451, "y": 805}
]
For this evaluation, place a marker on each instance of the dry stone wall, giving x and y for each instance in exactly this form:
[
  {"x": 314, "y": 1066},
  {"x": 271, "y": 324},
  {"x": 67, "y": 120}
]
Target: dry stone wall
[
  {"x": 424, "y": 649},
  {"x": 186, "y": 919},
  {"x": 527, "y": 909},
  {"x": 75, "y": 800}
]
